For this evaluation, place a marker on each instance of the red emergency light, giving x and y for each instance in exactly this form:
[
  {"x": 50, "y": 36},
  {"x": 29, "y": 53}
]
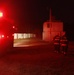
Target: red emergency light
[{"x": 1, "y": 14}]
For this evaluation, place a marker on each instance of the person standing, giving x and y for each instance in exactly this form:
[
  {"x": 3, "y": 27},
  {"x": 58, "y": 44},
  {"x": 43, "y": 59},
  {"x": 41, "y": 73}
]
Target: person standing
[
  {"x": 64, "y": 44},
  {"x": 56, "y": 40}
]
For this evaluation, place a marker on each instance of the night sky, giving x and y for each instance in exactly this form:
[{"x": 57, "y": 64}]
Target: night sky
[{"x": 33, "y": 13}]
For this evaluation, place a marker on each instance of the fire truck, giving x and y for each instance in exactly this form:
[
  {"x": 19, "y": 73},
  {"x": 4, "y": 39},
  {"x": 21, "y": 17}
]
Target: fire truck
[{"x": 6, "y": 35}]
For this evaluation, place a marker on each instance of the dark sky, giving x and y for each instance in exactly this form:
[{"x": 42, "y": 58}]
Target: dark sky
[{"x": 33, "y": 13}]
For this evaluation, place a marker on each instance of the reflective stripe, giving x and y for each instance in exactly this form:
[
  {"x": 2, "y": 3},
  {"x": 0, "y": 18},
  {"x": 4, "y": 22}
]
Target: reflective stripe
[
  {"x": 63, "y": 40},
  {"x": 56, "y": 39},
  {"x": 63, "y": 44},
  {"x": 56, "y": 43}
]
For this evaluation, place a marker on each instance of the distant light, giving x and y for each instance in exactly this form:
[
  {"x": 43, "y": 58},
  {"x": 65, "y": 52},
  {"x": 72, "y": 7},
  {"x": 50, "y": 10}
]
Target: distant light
[
  {"x": 13, "y": 26},
  {"x": 1, "y": 14}
]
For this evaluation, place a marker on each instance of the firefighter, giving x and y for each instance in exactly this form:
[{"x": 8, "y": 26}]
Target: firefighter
[
  {"x": 64, "y": 44},
  {"x": 56, "y": 40}
]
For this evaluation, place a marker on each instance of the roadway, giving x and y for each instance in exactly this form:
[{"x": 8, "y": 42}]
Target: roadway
[{"x": 38, "y": 58}]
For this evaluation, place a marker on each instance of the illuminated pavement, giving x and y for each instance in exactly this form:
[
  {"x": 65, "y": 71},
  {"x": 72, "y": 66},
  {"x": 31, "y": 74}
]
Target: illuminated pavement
[
  {"x": 28, "y": 42},
  {"x": 38, "y": 60}
]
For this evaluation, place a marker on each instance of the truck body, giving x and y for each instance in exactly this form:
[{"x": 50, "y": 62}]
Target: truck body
[{"x": 6, "y": 36}]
